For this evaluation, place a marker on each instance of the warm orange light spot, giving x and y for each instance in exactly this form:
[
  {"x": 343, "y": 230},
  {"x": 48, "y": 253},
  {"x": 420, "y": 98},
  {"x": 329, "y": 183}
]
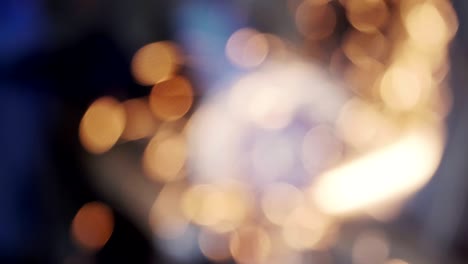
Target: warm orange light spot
[
  {"x": 168, "y": 129},
  {"x": 140, "y": 121},
  {"x": 277, "y": 47},
  {"x": 358, "y": 123},
  {"x": 318, "y": 2},
  {"x": 222, "y": 208},
  {"x": 164, "y": 159},
  {"x": 165, "y": 216},
  {"x": 102, "y": 125},
  {"x": 195, "y": 204},
  {"x": 92, "y": 226},
  {"x": 338, "y": 62},
  {"x": 418, "y": 28},
  {"x": 250, "y": 244},
  {"x": 155, "y": 62},
  {"x": 401, "y": 88},
  {"x": 396, "y": 261},
  {"x": 364, "y": 80},
  {"x": 362, "y": 48},
  {"x": 440, "y": 102},
  {"x": 281, "y": 253},
  {"x": 171, "y": 99},
  {"x": 315, "y": 20},
  {"x": 213, "y": 245},
  {"x": 279, "y": 200},
  {"x": 432, "y": 60},
  {"x": 304, "y": 229},
  {"x": 370, "y": 247},
  {"x": 386, "y": 213},
  {"x": 427, "y": 26},
  {"x": 367, "y": 15},
  {"x": 247, "y": 48},
  {"x": 441, "y": 71}
]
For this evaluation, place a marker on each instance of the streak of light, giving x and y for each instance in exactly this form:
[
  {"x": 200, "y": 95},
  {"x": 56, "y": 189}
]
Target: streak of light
[{"x": 393, "y": 172}]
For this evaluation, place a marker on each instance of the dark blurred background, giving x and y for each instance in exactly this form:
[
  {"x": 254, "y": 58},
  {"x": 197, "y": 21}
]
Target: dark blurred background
[{"x": 57, "y": 57}]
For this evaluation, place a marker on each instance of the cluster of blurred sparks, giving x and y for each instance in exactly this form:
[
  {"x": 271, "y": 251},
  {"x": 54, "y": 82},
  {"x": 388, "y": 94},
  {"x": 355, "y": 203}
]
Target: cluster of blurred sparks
[{"x": 267, "y": 168}]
